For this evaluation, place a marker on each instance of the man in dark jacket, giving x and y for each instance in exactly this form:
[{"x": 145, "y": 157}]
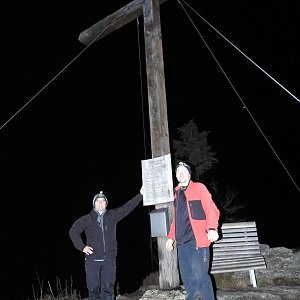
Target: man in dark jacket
[{"x": 100, "y": 249}]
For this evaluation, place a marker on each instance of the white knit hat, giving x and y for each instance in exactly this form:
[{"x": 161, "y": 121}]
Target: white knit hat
[{"x": 100, "y": 195}]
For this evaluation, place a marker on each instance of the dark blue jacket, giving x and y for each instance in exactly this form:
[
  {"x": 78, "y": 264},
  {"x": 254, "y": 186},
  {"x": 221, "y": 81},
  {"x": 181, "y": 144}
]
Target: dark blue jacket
[{"x": 104, "y": 244}]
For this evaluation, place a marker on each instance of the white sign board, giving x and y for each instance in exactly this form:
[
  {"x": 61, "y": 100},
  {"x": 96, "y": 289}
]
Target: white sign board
[{"x": 157, "y": 180}]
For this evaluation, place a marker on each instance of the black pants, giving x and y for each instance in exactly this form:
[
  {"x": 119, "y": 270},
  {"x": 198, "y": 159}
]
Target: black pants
[{"x": 100, "y": 279}]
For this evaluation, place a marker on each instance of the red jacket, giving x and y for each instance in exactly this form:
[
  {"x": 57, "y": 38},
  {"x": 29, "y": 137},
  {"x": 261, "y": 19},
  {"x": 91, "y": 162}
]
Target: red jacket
[{"x": 202, "y": 211}]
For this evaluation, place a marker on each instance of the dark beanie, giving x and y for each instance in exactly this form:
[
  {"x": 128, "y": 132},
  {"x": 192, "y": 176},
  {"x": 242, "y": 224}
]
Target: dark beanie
[{"x": 183, "y": 164}]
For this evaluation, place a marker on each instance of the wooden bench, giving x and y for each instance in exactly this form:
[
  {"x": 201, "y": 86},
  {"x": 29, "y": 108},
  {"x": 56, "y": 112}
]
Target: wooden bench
[{"x": 238, "y": 250}]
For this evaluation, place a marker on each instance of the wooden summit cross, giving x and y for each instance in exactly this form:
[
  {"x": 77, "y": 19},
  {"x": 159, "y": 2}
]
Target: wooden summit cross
[{"x": 159, "y": 132}]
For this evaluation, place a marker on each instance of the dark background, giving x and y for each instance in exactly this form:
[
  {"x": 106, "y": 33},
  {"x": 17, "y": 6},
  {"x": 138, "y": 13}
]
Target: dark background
[{"x": 85, "y": 130}]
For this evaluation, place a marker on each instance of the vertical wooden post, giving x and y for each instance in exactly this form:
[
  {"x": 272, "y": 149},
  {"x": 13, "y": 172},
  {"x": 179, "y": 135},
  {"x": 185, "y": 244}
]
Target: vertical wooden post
[{"x": 159, "y": 132}]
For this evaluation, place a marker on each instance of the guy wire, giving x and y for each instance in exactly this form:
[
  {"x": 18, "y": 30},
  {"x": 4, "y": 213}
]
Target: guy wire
[
  {"x": 231, "y": 84},
  {"x": 59, "y": 73}
]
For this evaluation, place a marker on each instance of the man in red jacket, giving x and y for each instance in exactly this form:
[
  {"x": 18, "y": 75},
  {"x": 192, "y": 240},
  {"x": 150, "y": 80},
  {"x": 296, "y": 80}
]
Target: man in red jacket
[{"x": 194, "y": 228}]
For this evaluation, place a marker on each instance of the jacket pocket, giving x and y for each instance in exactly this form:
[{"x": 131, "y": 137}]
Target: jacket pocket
[{"x": 197, "y": 210}]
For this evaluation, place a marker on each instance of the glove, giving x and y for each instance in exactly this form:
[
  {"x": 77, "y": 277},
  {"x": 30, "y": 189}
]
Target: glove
[
  {"x": 169, "y": 245},
  {"x": 212, "y": 235}
]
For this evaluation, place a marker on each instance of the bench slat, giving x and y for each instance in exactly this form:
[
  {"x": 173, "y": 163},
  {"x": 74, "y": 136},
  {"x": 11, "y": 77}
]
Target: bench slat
[
  {"x": 237, "y": 268},
  {"x": 244, "y": 267},
  {"x": 239, "y": 225},
  {"x": 240, "y": 233},
  {"x": 236, "y": 255},
  {"x": 233, "y": 247},
  {"x": 235, "y": 240},
  {"x": 241, "y": 230},
  {"x": 239, "y": 260}
]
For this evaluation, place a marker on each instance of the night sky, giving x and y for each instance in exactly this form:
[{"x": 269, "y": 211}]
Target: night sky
[{"x": 88, "y": 129}]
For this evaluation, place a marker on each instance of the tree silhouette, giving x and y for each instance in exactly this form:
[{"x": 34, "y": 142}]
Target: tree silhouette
[
  {"x": 230, "y": 205},
  {"x": 193, "y": 148}
]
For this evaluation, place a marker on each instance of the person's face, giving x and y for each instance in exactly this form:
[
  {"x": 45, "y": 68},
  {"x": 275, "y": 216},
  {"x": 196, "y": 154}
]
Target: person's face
[
  {"x": 100, "y": 205},
  {"x": 182, "y": 174}
]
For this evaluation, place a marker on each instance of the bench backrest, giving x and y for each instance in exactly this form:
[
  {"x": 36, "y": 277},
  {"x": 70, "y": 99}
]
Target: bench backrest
[{"x": 237, "y": 249}]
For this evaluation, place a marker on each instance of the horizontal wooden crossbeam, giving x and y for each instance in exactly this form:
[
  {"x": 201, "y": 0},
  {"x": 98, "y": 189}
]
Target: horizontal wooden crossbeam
[{"x": 113, "y": 22}]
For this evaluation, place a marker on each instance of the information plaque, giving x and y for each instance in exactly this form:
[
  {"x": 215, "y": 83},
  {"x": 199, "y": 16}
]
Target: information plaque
[{"x": 157, "y": 180}]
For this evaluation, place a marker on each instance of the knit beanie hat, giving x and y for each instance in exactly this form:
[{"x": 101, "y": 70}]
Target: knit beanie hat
[
  {"x": 100, "y": 195},
  {"x": 183, "y": 164}
]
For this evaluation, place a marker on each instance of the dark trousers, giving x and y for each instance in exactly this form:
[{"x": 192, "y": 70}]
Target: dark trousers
[
  {"x": 194, "y": 265},
  {"x": 100, "y": 279}
]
